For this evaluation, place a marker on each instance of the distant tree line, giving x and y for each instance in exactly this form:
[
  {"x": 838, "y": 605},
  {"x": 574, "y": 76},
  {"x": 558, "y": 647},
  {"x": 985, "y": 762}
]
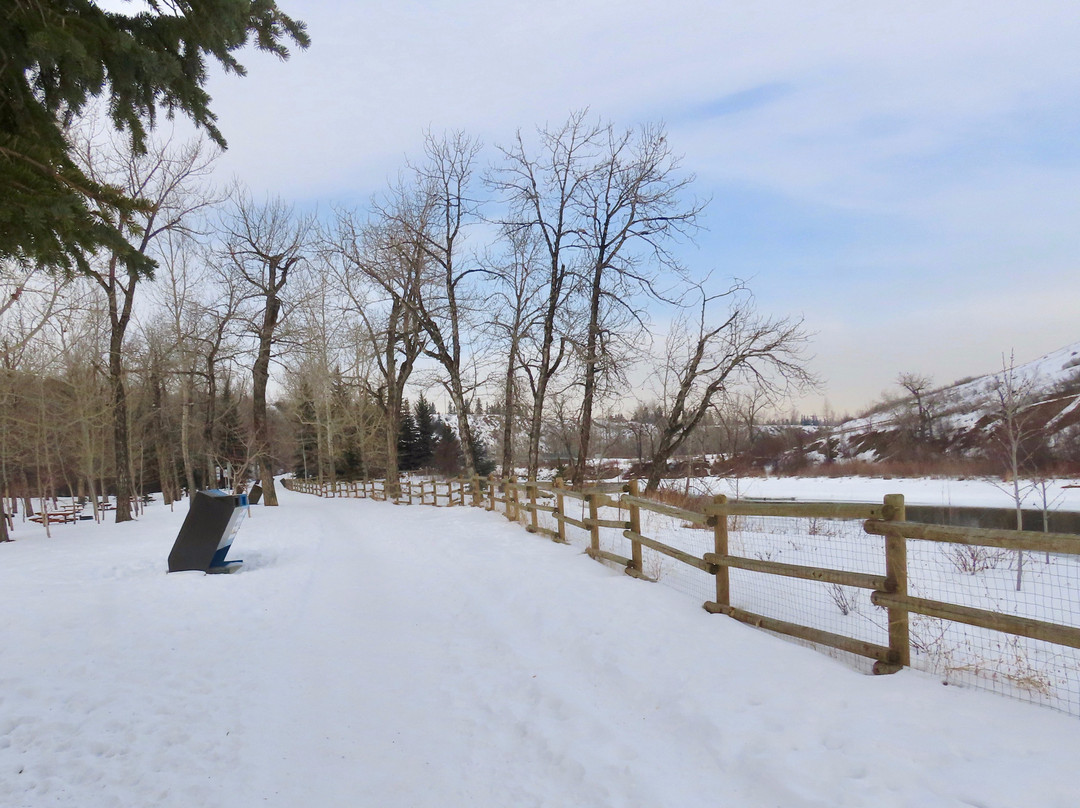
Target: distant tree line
[{"x": 209, "y": 338}]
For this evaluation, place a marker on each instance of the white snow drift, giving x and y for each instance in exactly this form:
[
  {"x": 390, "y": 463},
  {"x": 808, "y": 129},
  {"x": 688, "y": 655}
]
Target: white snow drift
[{"x": 373, "y": 655}]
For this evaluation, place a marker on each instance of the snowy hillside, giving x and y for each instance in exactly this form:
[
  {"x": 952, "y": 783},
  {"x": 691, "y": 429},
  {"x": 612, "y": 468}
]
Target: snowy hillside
[
  {"x": 963, "y": 413},
  {"x": 373, "y": 655}
]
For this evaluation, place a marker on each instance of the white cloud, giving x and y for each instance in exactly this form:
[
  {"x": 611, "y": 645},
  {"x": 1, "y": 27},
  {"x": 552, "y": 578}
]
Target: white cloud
[{"x": 880, "y": 113}]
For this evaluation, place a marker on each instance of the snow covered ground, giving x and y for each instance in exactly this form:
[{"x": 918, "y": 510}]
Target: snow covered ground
[
  {"x": 373, "y": 655},
  {"x": 974, "y": 492}
]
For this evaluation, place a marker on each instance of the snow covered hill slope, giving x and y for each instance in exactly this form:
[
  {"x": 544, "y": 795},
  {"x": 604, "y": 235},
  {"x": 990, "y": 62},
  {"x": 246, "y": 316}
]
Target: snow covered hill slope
[
  {"x": 962, "y": 415},
  {"x": 373, "y": 655}
]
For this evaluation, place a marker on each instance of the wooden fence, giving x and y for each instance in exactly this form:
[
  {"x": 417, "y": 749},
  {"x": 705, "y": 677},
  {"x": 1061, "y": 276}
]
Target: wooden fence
[{"x": 521, "y": 502}]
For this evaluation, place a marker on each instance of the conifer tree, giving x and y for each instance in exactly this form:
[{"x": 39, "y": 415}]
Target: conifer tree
[
  {"x": 407, "y": 441},
  {"x": 447, "y": 457},
  {"x": 425, "y": 432},
  {"x": 482, "y": 461},
  {"x": 57, "y": 56}
]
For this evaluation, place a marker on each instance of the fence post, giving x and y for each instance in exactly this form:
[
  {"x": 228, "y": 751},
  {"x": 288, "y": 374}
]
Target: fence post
[
  {"x": 533, "y": 523},
  {"x": 594, "y": 528},
  {"x": 633, "y": 488},
  {"x": 896, "y": 584},
  {"x": 559, "y": 500},
  {"x": 492, "y": 485},
  {"x": 720, "y": 547}
]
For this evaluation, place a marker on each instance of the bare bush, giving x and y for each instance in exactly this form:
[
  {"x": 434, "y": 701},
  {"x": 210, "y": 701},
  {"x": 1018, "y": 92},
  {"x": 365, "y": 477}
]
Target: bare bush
[
  {"x": 845, "y": 598},
  {"x": 971, "y": 560}
]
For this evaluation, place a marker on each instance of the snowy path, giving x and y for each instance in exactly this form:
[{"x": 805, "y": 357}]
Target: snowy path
[{"x": 382, "y": 656}]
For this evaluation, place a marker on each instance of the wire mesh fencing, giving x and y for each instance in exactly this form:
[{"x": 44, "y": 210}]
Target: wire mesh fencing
[{"x": 996, "y": 610}]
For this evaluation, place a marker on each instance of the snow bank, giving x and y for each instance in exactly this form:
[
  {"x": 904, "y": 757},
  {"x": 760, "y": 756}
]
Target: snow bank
[{"x": 369, "y": 654}]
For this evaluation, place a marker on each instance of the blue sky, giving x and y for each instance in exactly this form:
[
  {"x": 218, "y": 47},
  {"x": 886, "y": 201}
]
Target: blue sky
[{"x": 907, "y": 179}]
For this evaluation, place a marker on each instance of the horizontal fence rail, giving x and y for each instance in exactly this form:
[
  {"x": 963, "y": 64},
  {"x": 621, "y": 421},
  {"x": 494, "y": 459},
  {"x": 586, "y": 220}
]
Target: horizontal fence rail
[{"x": 735, "y": 546}]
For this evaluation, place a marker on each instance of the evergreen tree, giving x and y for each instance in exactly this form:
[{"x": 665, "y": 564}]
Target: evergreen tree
[
  {"x": 55, "y": 57},
  {"x": 407, "y": 441},
  {"x": 447, "y": 457},
  {"x": 425, "y": 432},
  {"x": 482, "y": 462}
]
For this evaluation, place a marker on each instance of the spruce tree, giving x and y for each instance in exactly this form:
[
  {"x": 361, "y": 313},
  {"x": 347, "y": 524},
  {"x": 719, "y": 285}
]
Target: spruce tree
[
  {"x": 407, "y": 441},
  {"x": 57, "y": 56},
  {"x": 447, "y": 457},
  {"x": 482, "y": 462},
  {"x": 425, "y": 432}
]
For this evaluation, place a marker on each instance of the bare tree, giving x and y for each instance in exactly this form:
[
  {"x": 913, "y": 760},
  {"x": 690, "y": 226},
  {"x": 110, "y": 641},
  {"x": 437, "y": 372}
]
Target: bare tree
[
  {"x": 540, "y": 192},
  {"x": 266, "y": 245},
  {"x": 380, "y": 274},
  {"x": 28, "y": 300},
  {"x": 318, "y": 376},
  {"x": 431, "y": 214},
  {"x": 182, "y": 273},
  {"x": 706, "y": 361},
  {"x": 515, "y": 316},
  {"x": 919, "y": 387},
  {"x": 630, "y": 205},
  {"x": 169, "y": 181},
  {"x": 1014, "y": 395},
  {"x": 217, "y": 346}
]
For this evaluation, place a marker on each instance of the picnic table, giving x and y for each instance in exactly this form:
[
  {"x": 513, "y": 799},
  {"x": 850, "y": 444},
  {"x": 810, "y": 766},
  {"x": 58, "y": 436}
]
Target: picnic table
[{"x": 70, "y": 513}]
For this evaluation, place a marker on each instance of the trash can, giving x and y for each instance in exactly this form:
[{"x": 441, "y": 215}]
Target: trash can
[{"x": 204, "y": 540}]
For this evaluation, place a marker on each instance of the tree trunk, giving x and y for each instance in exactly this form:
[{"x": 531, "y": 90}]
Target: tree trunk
[
  {"x": 121, "y": 447},
  {"x": 331, "y": 461},
  {"x": 4, "y": 536},
  {"x": 536, "y": 425},
  {"x": 185, "y": 439},
  {"x": 464, "y": 430},
  {"x": 543, "y": 375},
  {"x": 260, "y": 377},
  {"x": 509, "y": 397},
  {"x": 162, "y": 445},
  {"x": 210, "y": 475}
]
